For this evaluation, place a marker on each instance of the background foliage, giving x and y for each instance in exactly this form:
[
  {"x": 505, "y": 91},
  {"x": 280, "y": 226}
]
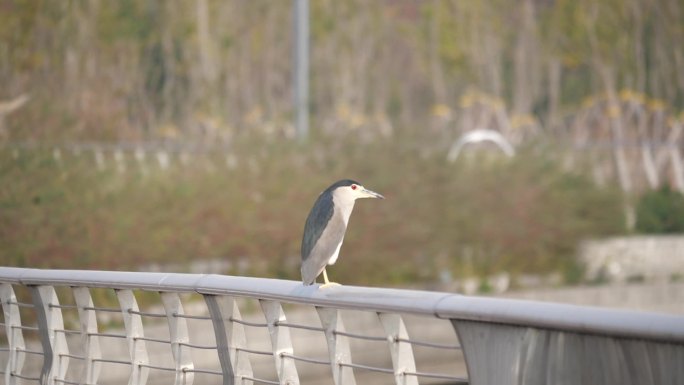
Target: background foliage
[
  {"x": 393, "y": 84},
  {"x": 207, "y": 69},
  {"x": 661, "y": 212},
  {"x": 483, "y": 215}
]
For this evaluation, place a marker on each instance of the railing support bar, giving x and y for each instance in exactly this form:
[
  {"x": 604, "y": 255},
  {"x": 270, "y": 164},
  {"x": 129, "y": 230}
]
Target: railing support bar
[
  {"x": 401, "y": 351},
  {"x": 89, "y": 340},
  {"x": 15, "y": 336},
  {"x": 281, "y": 342},
  {"x": 230, "y": 339},
  {"x": 338, "y": 346},
  {"x": 178, "y": 331},
  {"x": 55, "y": 349},
  {"x": 137, "y": 349}
]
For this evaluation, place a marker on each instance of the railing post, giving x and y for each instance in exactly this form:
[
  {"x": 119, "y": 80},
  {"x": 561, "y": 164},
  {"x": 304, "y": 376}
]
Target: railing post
[
  {"x": 15, "y": 337},
  {"x": 401, "y": 351},
  {"x": 230, "y": 337},
  {"x": 178, "y": 331},
  {"x": 281, "y": 342},
  {"x": 51, "y": 332},
  {"x": 89, "y": 340},
  {"x": 338, "y": 346},
  {"x": 137, "y": 349}
]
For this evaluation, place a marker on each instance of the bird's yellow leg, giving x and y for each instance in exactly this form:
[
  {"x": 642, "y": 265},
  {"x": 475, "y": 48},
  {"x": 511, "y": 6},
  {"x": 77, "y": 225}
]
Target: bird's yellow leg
[{"x": 327, "y": 282}]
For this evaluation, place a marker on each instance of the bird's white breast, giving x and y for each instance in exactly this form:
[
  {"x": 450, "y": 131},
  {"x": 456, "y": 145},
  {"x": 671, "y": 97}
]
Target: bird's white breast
[
  {"x": 336, "y": 254},
  {"x": 344, "y": 204}
]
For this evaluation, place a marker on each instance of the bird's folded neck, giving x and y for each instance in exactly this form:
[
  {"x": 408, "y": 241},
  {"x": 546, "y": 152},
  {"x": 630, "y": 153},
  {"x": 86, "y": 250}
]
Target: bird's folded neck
[{"x": 345, "y": 205}]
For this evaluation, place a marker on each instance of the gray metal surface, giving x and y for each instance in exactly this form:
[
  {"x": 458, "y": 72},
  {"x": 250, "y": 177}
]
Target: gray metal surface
[
  {"x": 536, "y": 356},
  {"x": 503, "y": 341}
]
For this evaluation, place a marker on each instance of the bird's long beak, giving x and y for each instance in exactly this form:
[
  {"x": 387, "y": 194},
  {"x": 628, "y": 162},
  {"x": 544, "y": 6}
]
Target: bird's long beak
[{"x": 371, "y": 194}]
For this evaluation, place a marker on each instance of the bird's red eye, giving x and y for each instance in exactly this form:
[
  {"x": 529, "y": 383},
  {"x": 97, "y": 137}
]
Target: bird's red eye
[{"x": 353, "y": 187}]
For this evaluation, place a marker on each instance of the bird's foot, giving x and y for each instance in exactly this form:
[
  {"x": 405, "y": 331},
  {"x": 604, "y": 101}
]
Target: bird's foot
[{"x": 329, "y": 284}]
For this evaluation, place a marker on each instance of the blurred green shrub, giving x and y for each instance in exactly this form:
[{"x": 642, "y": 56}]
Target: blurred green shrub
[
  {"x": 660, "y": 212},
  {"x": 480, "y": 215}
]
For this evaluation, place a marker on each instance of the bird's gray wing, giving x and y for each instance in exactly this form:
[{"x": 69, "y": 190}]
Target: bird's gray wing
[
  {"x": 318, "y": 218},
  {"x": 329, "y": 240},
  {"x": 323, "y": 232}
]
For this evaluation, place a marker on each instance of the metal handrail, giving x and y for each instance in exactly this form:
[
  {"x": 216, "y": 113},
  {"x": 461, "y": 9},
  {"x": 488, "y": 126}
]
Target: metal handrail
[
  {"x": 519, "y": 336},
  {"x": 610, "y": 322}
]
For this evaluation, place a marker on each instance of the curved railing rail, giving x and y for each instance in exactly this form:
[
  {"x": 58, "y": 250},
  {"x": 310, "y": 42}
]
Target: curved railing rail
[{"x": 500, "y": 341}]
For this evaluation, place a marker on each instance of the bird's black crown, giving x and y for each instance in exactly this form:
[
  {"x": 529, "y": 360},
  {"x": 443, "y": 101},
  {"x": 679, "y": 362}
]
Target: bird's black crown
[{"x": 342, "y": 183}]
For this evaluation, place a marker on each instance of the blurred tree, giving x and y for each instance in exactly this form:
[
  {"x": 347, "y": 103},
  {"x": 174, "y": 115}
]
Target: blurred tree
[{"x": 204, "y": 69}]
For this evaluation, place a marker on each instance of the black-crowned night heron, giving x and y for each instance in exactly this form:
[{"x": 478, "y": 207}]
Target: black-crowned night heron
[{"x": 326, "y": 225}]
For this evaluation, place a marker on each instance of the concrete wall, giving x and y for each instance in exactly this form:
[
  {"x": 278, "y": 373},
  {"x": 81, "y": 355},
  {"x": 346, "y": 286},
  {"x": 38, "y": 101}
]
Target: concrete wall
[
  {"x": 661, "y": 297},
  {"x": 651, "y": 257}
]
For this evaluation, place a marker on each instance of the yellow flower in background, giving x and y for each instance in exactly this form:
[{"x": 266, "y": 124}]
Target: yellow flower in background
[
  {"x": 656, "y": 104},
  {"x": 441, "y": 110}
]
